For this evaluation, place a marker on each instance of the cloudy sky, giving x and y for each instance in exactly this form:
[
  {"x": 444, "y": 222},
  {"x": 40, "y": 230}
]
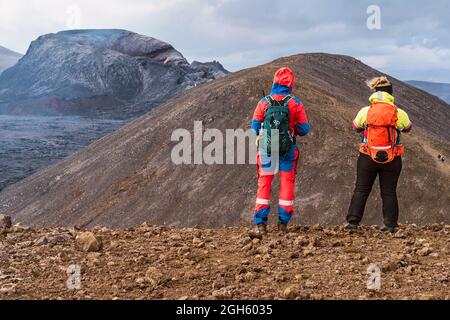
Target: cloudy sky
[{"x": 413, "y": 41}]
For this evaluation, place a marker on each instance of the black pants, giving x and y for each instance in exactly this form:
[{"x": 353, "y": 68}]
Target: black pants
[{"x": 366, "y": 174}]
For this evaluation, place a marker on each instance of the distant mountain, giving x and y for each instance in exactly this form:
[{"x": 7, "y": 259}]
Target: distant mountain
[
  {"x": 8, "y": 58},
  {"x": 128, "y": 177},
  {"x": 114, "y": 73},
  {"x": 441, "y": 90}
]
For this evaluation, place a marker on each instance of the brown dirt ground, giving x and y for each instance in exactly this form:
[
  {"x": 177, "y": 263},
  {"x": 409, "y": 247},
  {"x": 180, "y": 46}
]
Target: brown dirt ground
[{"x": 154, "y": 262}]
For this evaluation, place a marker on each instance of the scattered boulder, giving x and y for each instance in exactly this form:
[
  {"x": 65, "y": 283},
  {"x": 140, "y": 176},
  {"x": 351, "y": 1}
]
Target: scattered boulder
[
  {"x": 434, "y": 255},
  {"x": 41, "y": 241},
  {"x": 140, "y": 280},
  {"x": 337, "y": 243},
  {"x": 310, "y": 284},
  {"x": 5, "y": 221},
  {"x": 280, "y": 277},
  {"x": 223, "y": 293},
  {"x": 154, "y": 276},
  {"x": 301, "y": 241},
  {"x": 400, "y": 234},
  {"x": 200, "y": 245},
  {"x": 17, "y": 228},
  {"x": 88, "y": 242},
  {"x": 395, "y": 262},
  {"x": 388, "y": 266},
  {"x": 53, "y": 238},
  {"x": 247, "y": 247},
  {"x": 262, "y": 250},
  {"x": 316, "y": 296},
  {"x": 7, "y": 290},
  {"x": 294, "y": 255},
  {"x": 245, "y": 240},
  {"x": 424, "y": 251},
  {"x": 289, "y": 293},
  {"x": 314, "y": 242},
  {"x": 410, "y": 270},
  {"x": 144, "y": 227},
  {"x": 307, "y": 252},
  {"x": 249, "y": 276},
  {"x": 255, "y": 235}
]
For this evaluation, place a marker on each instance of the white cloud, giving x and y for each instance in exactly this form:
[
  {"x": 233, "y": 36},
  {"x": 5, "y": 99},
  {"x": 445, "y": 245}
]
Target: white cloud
[
  {"x": 413, "y": 40},
  {"x": 377, "y": 62}
]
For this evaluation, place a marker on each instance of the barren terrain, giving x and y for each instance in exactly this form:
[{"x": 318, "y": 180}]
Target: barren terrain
[
  {"x": 154, "y": 262},
  {"x": 128, "y": 177}
]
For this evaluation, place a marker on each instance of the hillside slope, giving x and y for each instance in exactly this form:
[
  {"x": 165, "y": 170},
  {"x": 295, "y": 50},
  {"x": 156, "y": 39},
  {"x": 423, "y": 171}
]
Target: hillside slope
[
  {"x": 105, "y": 72},
  {"x": 441, "y": 90},
  {"x": 127, "y": 177},
  {"x": 8, "y": 58}
]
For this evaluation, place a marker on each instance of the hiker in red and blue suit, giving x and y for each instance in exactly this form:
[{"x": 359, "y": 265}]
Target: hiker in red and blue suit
[{"x": 298, "y": 122}]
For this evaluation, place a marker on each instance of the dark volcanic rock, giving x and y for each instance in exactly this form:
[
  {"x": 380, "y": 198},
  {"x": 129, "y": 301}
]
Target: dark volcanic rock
[
  {"x": 113, "y": 73},
  {"x": 5, "y": 221},
  {"x": 31, "y": 143},
  {"x": 128, "y": 177}
]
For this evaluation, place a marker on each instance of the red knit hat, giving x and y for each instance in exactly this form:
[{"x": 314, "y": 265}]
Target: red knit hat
[{"x": 285, "y": 77}]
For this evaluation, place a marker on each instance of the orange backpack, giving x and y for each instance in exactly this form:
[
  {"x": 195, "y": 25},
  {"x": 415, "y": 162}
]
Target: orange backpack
[{"x": 381, "y": 132}]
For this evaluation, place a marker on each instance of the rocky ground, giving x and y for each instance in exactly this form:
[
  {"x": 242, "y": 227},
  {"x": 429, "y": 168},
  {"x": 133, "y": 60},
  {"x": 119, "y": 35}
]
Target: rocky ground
[{"x": 154, "y": 262}]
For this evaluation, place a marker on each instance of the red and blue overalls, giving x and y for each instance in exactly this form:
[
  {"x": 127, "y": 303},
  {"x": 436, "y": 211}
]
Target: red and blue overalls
[{"x": 282, "y": 86}]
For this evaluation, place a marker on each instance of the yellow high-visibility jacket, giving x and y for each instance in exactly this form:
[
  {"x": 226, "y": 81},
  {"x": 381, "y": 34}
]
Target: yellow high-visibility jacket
[{"x": 403, "y": 123}]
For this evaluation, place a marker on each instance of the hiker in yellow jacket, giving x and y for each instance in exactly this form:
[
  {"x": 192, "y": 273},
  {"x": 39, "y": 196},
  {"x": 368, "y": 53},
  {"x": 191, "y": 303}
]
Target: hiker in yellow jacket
[{"x": 380, "y": 153}]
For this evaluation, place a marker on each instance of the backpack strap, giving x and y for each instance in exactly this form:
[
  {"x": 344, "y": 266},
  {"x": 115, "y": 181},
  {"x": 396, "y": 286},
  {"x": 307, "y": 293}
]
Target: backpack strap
[
  {"x": 286, "y": 100},
  {"x": 270, "y": 100},
  {"x": 278, "y": 103}
]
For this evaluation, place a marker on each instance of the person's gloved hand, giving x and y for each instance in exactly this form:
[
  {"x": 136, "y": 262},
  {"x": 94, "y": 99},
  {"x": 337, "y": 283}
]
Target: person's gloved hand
[{"x": 257, "y": 141}]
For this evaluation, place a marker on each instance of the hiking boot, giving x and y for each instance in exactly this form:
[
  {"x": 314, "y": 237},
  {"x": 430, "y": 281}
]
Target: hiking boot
[
  {"x": 282, "y": 227},
  {"x": 258, "y": 232},
  {"x": 351, "y": 227},
  {"x": 262, "y": 228},
  {"x": 387, "y": 229}
]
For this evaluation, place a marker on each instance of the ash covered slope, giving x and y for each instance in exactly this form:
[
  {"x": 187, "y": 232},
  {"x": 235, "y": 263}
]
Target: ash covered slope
[
  {"x": 112, "y": 72},
  {"x": 128, "y": 177},
  {"x": 8, "y": 58}
]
